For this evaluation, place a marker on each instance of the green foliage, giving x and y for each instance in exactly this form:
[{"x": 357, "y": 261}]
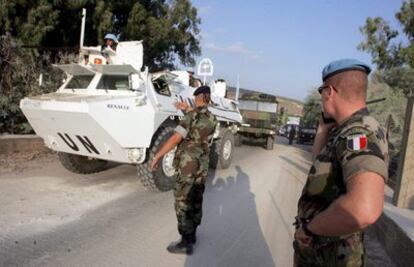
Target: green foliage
[
  {"x": 394, "y": 59},
  {"x": 391, "y": 111},
  {"x": 380, "y": 39},
  {"x": 20, "y": 73},
  {"x": 169, "y": 29},
  {"x": 398, "y": 78},
  {"x": 312, "y": 108},
  {"x": 378, "y": 36}
]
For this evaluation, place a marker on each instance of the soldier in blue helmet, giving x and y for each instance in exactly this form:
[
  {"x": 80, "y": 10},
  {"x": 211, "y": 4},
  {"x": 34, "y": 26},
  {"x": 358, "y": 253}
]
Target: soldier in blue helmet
[
  {"x": 111, "y": 41},
  {"x": 344, "y": 192}
]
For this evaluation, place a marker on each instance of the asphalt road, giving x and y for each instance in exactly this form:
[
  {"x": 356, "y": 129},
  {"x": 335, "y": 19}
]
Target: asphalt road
[{"x": 51, "y": 217}]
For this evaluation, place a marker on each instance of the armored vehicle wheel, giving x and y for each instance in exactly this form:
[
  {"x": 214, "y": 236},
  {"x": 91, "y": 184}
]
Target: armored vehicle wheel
[
  {"x": 237, "y": 140},
  {"x": 82, "y": 164},
  {"x": 163, "y": 178},
  {"x": 221, "y": 152},
  {"x": 269, "y": 143}
]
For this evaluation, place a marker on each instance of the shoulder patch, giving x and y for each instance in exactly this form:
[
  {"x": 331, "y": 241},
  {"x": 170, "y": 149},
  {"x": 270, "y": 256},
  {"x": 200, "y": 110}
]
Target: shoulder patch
[{"x": 356, "y": 142}]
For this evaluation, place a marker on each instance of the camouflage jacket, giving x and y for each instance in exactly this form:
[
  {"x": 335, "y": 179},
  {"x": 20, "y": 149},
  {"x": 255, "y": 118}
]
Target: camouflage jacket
[
  {"x": 197, "y": 128},
  {"x": 357, "y": 145}
]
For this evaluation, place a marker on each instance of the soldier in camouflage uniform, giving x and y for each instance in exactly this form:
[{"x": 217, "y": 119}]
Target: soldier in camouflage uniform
[
  {"x": 193, "y": 136},
  {"x": 344, "y": 192}
]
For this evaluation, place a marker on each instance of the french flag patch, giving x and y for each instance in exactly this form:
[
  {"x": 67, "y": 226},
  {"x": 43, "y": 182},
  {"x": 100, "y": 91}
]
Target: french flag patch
[{"x": 357, "y": 142}]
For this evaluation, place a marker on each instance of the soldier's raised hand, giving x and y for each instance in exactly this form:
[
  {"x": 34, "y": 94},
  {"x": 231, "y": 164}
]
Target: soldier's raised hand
[{"x": 181, "y": 105}]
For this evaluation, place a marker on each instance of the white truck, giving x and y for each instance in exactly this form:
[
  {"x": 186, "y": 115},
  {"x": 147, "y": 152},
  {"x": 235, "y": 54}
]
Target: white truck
[{"x": 109, "y": 109}]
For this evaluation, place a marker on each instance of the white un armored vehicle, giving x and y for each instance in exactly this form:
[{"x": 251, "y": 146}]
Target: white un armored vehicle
[{"x": 109, "y": 110}]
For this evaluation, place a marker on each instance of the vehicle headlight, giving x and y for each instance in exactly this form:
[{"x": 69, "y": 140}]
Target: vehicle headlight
[{"x": 136, "y": 155}]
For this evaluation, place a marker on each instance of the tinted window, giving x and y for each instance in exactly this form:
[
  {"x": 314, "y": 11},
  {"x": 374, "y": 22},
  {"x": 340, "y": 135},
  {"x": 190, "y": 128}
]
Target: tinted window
[
  {"x": 114, "y": 82},
  {"x": 79, "y": 82}
]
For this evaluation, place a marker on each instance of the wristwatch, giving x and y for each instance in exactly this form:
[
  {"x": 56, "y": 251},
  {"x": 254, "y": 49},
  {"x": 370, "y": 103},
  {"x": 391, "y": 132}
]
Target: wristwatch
[{"x": 307, "y": 231}]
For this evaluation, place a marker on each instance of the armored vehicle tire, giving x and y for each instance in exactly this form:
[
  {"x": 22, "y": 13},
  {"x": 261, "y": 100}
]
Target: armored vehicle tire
[
  {"x": 237, "y": 140},
  {"x": 163, "y": 178},
  {"x": 82, "y": 164},
  {"x": 221, "y": 152},
  {"x": 269, "y": 143}
]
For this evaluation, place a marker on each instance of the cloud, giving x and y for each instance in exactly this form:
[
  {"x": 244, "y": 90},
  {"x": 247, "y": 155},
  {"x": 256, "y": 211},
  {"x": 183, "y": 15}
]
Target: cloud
[{"x": 237, "y": 48}]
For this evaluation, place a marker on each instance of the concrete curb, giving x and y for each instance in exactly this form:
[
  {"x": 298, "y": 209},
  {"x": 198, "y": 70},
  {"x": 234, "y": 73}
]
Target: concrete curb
[
  {"x": 21, "y": 143},
  {"x": 394, "y": 240}
]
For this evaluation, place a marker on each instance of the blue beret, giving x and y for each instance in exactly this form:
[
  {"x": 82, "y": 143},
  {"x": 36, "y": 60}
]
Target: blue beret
[
  {"x": 111, "y": 36},
  {"x": 341, "y": 65},
  {"x": 204, "y": 89}
]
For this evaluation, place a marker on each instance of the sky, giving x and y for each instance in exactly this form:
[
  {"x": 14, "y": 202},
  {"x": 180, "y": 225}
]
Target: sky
[{"x": 280, "y": 47}]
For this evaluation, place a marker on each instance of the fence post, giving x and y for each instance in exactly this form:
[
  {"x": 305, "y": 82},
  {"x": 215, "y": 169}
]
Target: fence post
[{"x": 404, "y": 190}]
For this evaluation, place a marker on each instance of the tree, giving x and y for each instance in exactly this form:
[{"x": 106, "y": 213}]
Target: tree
[
  {"x": 380, "y": 39},
  {"x": 169, "y": 29},
  {"x": 399, "y": 78},
  {"x": 312, "y": 108},
  {"x": 392, "y": 51}
]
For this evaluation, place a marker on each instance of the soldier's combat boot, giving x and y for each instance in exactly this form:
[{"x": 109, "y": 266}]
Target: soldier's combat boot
[{"x": 183, "y": 246}]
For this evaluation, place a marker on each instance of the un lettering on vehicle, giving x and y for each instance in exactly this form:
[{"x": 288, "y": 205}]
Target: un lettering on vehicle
[{"x": 75, "y": 143}]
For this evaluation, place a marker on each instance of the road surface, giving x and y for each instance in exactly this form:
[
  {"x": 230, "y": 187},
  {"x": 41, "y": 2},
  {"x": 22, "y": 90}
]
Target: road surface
[{"x": 51, "y": 217}]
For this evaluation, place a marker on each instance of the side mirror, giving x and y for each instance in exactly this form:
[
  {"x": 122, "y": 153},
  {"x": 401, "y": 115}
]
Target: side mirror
[{"x": 134, "y": 82}]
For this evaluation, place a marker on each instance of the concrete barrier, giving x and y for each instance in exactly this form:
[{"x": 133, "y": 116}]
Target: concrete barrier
[
  {"x": 395, "y": 231},
  {"x": 21, "y": 143}
]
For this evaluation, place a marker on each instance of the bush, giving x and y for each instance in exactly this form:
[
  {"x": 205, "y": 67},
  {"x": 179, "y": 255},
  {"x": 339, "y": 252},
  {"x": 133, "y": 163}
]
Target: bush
[
  {"x": 389, "y": 112},
  {"x": 20, "y": 70}
]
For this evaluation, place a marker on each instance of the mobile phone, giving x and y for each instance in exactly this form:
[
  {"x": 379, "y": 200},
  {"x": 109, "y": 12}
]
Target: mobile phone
[{"x": 327, "y": 120}]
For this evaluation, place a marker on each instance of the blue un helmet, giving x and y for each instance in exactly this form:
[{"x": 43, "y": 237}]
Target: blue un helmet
[
  {"x": 112, "y": 37},
  {"x": 341, "y": 65}
]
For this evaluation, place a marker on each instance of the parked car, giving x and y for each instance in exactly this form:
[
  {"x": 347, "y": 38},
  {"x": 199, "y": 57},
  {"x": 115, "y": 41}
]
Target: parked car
[{"x": 306, "y": 135}]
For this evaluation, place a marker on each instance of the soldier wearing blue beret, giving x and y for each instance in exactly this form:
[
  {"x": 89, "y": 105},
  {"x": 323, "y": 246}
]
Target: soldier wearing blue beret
[{"x": 344, "y": 192}]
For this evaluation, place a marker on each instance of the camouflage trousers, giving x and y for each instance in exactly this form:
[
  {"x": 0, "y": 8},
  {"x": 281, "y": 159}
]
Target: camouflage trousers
[
  {"x": 348, "y": 252},
  {"x": 188, "y": 190},
  {"x": 188, "y": 193}
]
